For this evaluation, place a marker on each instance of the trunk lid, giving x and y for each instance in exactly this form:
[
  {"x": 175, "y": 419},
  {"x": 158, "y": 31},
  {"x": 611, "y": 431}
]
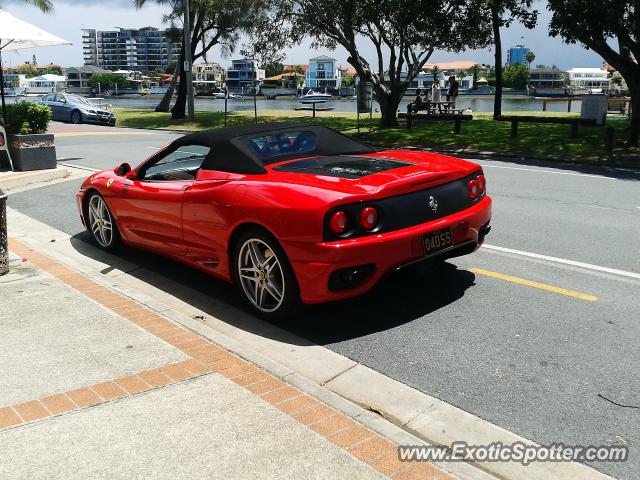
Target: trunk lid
[{"x": 384, "y": 173}]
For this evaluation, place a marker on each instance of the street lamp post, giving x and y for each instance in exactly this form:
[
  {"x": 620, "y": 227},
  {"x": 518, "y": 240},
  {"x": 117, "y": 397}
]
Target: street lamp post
[
  {"x": 188, "y": 60},
  {"x": 255, "y": 106}
]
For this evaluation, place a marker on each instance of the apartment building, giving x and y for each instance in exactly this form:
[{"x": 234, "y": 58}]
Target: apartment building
[{"x": 142, "y": 49}]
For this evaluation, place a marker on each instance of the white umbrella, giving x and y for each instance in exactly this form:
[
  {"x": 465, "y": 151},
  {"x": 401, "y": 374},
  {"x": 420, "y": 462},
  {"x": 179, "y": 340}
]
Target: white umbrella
[{"x": 15, "y": 35}]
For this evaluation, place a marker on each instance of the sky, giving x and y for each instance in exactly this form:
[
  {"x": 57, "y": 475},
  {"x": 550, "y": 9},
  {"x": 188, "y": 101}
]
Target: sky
[{"x": 70, "y": 16}]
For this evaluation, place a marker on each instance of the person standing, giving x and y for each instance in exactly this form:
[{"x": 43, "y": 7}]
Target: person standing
[
  {"x": 436, "y": 93},
  {"x": 452, "y": 93}
]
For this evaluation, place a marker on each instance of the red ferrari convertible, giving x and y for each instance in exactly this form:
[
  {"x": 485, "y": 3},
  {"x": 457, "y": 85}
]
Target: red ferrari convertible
[{"x": 290, "y": 213}]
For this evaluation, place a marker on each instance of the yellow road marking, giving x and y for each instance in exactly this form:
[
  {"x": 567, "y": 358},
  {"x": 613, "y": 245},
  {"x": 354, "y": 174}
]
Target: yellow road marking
[
  {"x": 87, "y": 133},
  {"x": 531, "y": 283}
]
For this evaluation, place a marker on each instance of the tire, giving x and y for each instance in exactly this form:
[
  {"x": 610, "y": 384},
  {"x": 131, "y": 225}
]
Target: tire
[
  {"x": 76, "y": 117},
  {"x": 99, "y": 218},
  {"x": 269, "y": 287}
]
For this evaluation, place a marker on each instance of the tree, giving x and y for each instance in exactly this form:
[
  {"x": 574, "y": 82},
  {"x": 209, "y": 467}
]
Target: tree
[
  {"x": 612, "y": 30},
  {"x": 28, "y": 70},
  {"x": 530, "y": 56},
  {"x": 108, "y": 81},
  {"x": 213, "y": 22},
  {"x": 516, "y": 76},
  {"x": 502, "y": 13},
  {"x": 272, "y": 68},
  {"x": 475, "y": 71},
  {"x": 53, "y": 70},
  {"x": 174, "y": 35},
  {"x": 44, "y": 5},
  {"x": 403, "y": 33},
  {"x": 295, "y": 69},
  {"x": 435, "y": 71}
]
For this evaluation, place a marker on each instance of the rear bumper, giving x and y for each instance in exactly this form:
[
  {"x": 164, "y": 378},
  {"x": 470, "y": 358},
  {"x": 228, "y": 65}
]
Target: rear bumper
[{"x": 314, "y": 263}]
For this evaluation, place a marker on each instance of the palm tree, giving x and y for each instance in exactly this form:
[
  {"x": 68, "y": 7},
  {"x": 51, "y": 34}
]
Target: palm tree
[
  {"x": 435, "y": 71},
  {"x": 530, "y": 56},
  {"x": 475, "y": 71},
  {"x": 213, "y": 22},
  {"x": 44, "y": 5}
]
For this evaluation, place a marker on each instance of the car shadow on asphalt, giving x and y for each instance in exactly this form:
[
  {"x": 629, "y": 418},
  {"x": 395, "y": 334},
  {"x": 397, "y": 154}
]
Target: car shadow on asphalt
[{"x": 400, "y": 298}]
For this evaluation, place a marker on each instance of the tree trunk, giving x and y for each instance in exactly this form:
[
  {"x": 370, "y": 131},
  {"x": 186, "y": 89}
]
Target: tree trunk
[
  {"x": 180, "y": 107},
  {"x": 634, "y": 90},
  {"x": 497, "y": 41},
  {"x": 389, "y": 104},
  {"x": 165, "y": 103}
]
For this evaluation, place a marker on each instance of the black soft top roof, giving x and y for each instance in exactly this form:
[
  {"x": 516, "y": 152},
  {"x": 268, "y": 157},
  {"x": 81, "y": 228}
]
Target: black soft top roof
[{"x": 230, "y": 150}]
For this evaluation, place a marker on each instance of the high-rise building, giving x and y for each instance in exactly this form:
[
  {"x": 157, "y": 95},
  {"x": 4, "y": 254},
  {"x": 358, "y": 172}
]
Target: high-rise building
[
  {"x": 142, "y": 49},
  {"x": 517, "y": 54}
]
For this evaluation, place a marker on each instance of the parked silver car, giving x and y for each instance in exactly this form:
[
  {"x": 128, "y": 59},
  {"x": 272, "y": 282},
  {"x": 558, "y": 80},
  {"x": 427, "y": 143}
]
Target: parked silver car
[{"x": 76, "y": 109}]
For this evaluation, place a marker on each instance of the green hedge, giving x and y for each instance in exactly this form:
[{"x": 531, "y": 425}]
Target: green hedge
[{"x": 27, "y": 118}]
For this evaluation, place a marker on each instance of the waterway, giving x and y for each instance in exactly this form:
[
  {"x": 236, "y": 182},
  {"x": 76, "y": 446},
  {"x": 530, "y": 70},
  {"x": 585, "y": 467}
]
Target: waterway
[{"x": 477, "y": 103}]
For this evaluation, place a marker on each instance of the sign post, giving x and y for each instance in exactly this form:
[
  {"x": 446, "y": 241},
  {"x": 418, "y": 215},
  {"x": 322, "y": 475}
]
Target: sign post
[{"x": 188, "y": 60}]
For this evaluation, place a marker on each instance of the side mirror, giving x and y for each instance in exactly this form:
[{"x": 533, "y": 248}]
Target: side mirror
[{"x": 122, "y": 169}]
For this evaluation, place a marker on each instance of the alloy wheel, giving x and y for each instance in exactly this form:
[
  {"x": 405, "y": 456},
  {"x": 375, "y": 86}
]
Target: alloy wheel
[
  {"x": 100, "y": 221},
  {"x": 261, "y": 275},
  {"x": 76, "y": 117}
]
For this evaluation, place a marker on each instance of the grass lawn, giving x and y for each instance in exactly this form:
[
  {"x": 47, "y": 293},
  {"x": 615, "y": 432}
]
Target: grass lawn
[{"x": 481, "y": 134}]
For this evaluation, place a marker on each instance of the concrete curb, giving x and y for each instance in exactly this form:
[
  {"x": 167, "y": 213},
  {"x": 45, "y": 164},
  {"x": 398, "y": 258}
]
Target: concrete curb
[
  {"x": 14, "y": 180},
  {"x": 409, "y": 416}
]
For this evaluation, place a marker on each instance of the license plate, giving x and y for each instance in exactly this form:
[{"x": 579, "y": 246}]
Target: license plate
[{"x": 438, "y": 240}]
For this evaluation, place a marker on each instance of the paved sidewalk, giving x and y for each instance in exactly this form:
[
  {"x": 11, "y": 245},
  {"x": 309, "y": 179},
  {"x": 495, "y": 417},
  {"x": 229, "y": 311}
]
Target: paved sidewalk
[
  {"x": 10, "y": 180},
  {"x": 94, "y": 385}
]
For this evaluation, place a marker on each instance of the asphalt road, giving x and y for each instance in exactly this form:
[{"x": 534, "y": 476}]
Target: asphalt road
[{"x": 529, "y": 359}]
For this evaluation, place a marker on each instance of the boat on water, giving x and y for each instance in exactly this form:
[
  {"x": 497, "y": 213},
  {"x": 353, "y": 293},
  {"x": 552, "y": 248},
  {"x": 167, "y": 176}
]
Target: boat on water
[
  {"x": 222, "y": 95},
  {"x": 14, "y": 92},
  {"x": 314, "y": 97}
]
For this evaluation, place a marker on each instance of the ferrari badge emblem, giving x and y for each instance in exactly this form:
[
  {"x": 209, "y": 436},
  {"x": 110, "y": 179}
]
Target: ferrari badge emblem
[
  {"x": 433, "y": 203},
  {"x": 109, "y": 182}
]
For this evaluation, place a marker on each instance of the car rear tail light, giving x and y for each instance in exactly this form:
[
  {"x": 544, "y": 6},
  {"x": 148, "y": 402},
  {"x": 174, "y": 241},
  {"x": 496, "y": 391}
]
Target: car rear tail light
[
  {"x": 338, "y": 222},
  {"x": 473, "y": 188},
  {"x": 482, "y": 184},
  {"x": 368, "y": 218}
]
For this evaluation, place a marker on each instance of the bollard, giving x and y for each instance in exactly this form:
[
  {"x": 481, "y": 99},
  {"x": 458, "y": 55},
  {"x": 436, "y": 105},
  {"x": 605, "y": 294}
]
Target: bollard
[{"x": 4, "y": 236}]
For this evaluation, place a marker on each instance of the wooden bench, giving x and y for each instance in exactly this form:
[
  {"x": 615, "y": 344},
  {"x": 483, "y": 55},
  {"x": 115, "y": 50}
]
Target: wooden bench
[
  {"x": 457, "y": 118},
  {"x": 573, "y": 122}
]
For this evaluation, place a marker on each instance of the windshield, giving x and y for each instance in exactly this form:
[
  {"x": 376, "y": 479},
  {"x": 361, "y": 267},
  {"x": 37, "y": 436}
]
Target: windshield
[
  {"x": 81, "y": 100},
  {"x": 269, "y": 146},
  {"x": 275, "y": 146}
]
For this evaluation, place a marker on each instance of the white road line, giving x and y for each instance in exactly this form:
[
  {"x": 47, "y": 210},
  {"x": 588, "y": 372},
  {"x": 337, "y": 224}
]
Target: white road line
[
  {"x": 81, "y": 167},
  {"x": 548, "y": 171},
  {"x": 564, "y": 261}
]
